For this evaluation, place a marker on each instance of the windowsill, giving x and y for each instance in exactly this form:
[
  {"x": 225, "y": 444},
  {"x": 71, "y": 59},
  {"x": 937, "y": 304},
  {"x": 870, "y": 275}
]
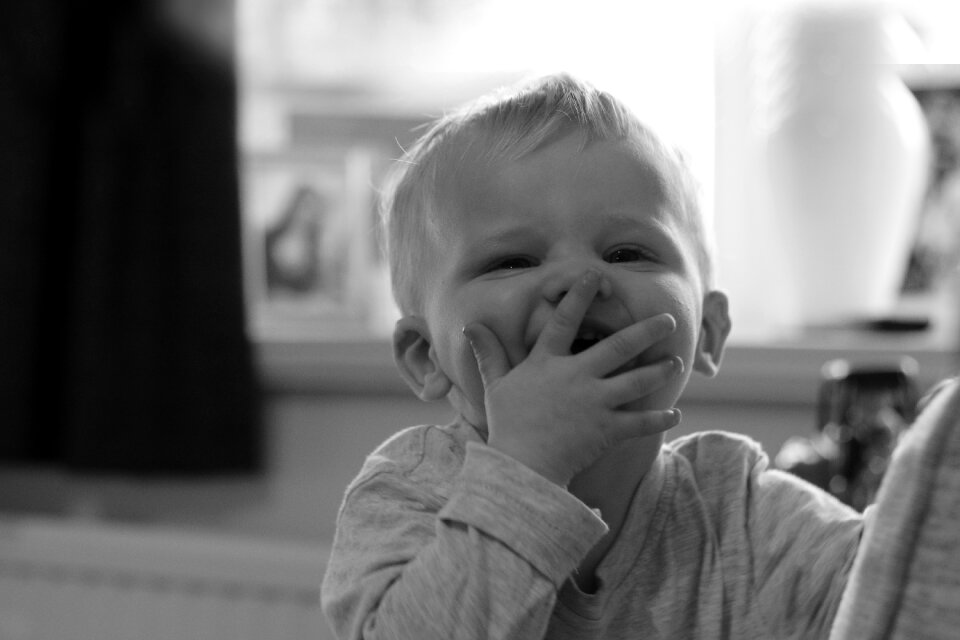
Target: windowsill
[{"x": 779, "y": 372}]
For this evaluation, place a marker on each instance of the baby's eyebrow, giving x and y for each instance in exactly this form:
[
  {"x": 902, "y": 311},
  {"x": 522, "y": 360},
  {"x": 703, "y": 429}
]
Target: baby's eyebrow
[
  {"x": 508, "y": 236},
  {"x": 631, "y": 222}
]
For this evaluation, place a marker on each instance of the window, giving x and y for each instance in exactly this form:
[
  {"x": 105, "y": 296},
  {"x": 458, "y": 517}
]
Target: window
[
  {"x": 331, "y": 78},
  {"x": 343, "y": 82}
]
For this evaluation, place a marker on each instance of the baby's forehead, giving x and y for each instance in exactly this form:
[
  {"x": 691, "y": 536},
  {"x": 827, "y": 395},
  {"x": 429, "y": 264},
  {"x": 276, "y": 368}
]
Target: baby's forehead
[{"x": 482, "y": 163}]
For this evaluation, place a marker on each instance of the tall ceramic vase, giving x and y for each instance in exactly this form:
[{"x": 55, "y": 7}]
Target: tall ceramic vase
[{"x": 845, "y": 149}]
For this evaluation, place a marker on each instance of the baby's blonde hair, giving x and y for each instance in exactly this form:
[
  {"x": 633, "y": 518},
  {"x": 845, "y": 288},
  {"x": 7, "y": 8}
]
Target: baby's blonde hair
[{"x": 505, "y": 126}]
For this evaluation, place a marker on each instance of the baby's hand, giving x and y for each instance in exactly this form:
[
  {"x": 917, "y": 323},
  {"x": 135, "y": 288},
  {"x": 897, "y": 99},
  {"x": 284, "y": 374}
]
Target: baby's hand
[{"x": 556, "y": 412}]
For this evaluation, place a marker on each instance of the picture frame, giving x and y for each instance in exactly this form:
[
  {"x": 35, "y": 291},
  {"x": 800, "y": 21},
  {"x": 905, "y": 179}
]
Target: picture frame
[
  {"x": 936, "y": 250},
  {"x": 310, "y": 246}
]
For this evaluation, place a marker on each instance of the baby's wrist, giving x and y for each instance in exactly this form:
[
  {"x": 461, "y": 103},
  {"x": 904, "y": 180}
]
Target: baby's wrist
[{"x": 534, "y": 462}]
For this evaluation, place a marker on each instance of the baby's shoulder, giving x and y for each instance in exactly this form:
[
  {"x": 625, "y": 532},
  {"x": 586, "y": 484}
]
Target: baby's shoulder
[
  {"x": 429, "y": 454},
  {"x": 706, "y": 447},
  {"x": 717, "y": 458}
]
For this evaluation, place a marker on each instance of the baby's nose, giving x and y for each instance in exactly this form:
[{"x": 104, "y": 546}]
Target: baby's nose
[{"x": 560, "y": 283}]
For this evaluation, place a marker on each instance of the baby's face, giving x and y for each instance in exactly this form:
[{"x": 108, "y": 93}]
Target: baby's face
[{"x": 518, "y": 236}]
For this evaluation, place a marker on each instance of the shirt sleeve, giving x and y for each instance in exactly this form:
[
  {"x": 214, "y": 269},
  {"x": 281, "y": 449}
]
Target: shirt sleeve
[{"x": 484, "y": 562}]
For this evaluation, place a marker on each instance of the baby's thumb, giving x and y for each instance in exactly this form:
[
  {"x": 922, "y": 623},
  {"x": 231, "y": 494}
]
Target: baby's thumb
[{"x": 489, "y": 353}]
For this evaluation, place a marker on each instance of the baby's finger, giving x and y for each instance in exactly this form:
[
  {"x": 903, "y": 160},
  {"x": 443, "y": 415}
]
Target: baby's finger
[
  {"x": 561, "y": 329},
  {"x": 624, "y": 425},
  {"x": 490, "y": 355},
  {"x": 640, "y": 382},
  {"x": 623, "y": 346}
]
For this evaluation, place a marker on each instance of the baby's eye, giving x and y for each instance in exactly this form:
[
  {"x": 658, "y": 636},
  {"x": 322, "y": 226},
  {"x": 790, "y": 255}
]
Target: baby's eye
[
  {"x": 511, "y": 263},
  {"x": 626, "y": 254}
]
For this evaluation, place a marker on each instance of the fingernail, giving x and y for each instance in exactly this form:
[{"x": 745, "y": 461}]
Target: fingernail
[
  {"x": 672, "y": 322},
  {"x": 677, "y": 365},
  {"x": 676, "y": 416}
]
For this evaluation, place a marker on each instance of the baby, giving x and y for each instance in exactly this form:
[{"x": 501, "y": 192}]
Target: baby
[{"x": 555, "y": 282}]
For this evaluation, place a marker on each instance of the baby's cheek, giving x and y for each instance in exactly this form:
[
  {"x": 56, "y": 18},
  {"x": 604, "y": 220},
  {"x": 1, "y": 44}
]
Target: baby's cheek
[
  {"x": 507, "y": 316},
  {"x": 685, "y": 308}
]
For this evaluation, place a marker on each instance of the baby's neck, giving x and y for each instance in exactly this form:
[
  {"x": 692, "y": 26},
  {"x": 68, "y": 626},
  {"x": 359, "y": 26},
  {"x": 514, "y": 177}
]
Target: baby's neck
[
  {"x": 611, "y": 481},
  {"x": 609, "y": 486}
]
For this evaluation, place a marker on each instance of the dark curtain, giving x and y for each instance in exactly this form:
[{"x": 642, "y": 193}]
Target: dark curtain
[{"x": 122, "y": 340}]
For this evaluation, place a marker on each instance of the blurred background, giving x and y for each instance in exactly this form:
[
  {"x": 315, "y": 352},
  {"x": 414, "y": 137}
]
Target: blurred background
[{"x": 195, "y": 313}]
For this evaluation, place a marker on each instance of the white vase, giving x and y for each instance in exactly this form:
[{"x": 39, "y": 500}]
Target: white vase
[{"x": 846, "y": 154}]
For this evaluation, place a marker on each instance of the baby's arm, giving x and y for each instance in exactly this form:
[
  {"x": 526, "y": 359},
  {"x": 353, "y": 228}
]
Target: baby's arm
[
  {"x": 479, "y": 557},
  {"x": 558, "y": 412},
  {"x": 486, "y": 560},
  {"x": 804, "y": 545}
]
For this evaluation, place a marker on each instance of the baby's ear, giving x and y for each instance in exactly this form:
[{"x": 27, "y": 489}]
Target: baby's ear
[
  {"x": 417, "y": 360},
  {"x": 714, "y": 329}
]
